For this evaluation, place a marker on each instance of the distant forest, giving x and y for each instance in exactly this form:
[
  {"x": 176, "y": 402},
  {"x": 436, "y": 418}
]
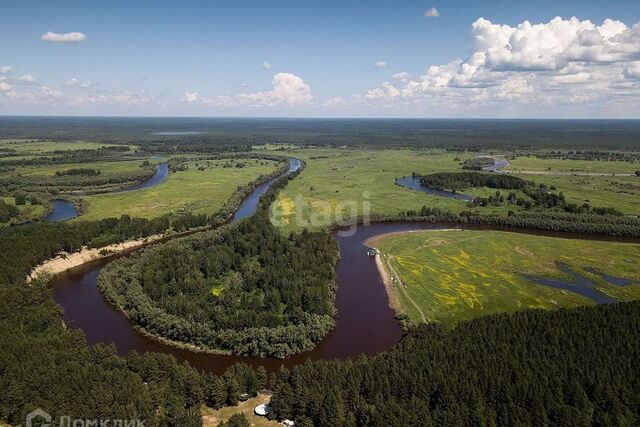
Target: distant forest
[{"x": 225, "y": 134}]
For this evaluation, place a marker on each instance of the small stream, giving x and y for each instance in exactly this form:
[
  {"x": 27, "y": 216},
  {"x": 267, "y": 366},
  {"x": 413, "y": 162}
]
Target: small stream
[
  {"x": 578, "y": 284},
  {"x": 413, "y": 183}
]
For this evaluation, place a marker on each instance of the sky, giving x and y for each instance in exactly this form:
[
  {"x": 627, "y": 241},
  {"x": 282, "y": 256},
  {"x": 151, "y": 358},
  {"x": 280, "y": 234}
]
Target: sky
[{"x": 349, "y": 58}]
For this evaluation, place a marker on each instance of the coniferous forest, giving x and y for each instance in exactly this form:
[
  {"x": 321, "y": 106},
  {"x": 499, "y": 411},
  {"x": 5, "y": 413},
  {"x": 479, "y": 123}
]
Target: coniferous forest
[{"x": 569, "y": 367}]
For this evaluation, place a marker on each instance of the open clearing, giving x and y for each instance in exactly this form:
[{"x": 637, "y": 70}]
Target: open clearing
[
  {"x": 212, "y": 417},
  {"x": 448, "y": 276},
  {"x": 193, "y": 190}
]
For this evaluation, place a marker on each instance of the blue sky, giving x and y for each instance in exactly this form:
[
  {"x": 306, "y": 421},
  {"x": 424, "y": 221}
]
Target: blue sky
[{"x": 208, "y": 58}]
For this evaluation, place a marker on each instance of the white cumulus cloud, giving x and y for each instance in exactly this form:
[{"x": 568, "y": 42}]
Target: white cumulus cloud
[
  {"x": 380, "y": 64},
  {"x": 554, "y": 63},
  {"x": 74, "y": 82},
  {"x": 266, "y": 65},
  {"x": 402, "y": 76},
  {"x": 432, "y": 13},
  {"x": 5, "y": 69},
  {"x": 63, "y": 37},
  {"x": 288, "y": 89},
  {"x": 27, "y": 79}
]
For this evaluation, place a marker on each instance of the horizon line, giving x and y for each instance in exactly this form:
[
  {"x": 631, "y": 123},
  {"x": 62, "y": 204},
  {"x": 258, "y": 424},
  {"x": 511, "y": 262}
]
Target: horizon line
[{"x": 4, "y": 116}]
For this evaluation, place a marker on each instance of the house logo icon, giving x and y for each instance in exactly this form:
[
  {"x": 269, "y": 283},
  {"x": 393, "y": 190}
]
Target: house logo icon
[{"x": 38, "y": 415}]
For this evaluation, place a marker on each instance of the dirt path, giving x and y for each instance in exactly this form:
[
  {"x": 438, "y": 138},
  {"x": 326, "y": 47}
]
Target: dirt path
[{"x": 393, "y": 285}]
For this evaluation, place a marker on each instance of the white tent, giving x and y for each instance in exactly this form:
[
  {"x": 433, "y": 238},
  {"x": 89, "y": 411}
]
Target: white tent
[{"x": 261, "y": 410}]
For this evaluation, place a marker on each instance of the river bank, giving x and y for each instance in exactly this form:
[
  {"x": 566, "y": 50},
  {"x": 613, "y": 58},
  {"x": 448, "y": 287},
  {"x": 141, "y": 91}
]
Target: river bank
[{"x": 65, "y": 261}]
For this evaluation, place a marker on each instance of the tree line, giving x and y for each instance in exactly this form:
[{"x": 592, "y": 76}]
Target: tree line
[{"x": 541, "y": 195}]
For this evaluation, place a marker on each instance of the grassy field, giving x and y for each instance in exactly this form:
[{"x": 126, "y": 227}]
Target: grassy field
[
  {"x": 531, "y": 163},
  {"x": 339, "y": 182},
  {"x": 448, "y": 276},
  {"x": 193, "y": 190},
  {"x": 28, "y": 211},
  {"x": 212, "y": 417},
  {"x": 24, "y": 147},
  {"x": 106, "y": 168}
]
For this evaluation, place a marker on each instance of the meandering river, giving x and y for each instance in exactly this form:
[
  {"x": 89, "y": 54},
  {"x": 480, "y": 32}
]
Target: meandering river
[{"x": 365, "y": 323}]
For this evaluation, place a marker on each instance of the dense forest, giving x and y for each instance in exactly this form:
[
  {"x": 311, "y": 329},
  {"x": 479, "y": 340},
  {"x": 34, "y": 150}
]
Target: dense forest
[
  {"x": 43, "y": 364},
  {"x": 599, "y": 155},
  {"x": 567, "y": 367},
  {"x": 457, "y": 181},
  {"x": 244, "y": 288}
]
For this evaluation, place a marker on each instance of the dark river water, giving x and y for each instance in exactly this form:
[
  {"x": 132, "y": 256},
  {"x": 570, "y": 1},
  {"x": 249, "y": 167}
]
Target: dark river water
[
  {"x": 64, "y": 210},
  {"x": 364, "y": 325}
]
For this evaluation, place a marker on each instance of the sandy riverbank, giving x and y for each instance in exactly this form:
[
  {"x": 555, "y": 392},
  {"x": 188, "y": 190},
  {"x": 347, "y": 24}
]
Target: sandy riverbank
[
  {"x": 65, "y": 261},
  {"x": 389, "y": 284}
]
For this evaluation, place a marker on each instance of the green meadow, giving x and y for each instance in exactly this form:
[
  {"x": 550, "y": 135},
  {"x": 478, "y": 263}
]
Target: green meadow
[
  {"x": 535, "y": 164},
  {"x": 111, "y": 168},
  {"x": 449, "y": 276},
  {"x": 339, "y": 183},
  {"x": 193, "y": 190}
]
